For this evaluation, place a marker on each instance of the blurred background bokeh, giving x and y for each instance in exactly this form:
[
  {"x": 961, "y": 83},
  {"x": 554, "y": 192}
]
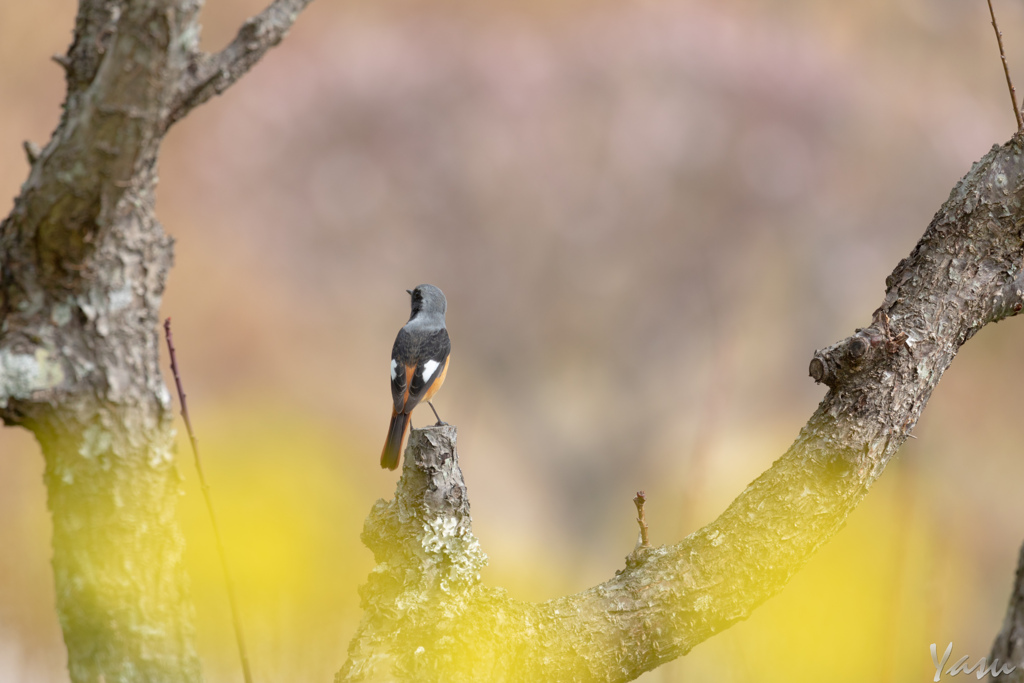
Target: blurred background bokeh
[{"x": 645, "y": 216}]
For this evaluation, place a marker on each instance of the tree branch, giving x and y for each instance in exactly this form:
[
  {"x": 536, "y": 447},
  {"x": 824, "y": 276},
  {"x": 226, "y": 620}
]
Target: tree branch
[
  {"x": 1008, "y": 647},
  {"x": 210, "y": 75},
  {"x": 965, "y": 272}
]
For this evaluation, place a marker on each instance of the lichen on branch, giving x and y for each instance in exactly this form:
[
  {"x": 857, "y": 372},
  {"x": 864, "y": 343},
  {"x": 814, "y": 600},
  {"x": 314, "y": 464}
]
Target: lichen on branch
[{"x": 966, "y": 271}]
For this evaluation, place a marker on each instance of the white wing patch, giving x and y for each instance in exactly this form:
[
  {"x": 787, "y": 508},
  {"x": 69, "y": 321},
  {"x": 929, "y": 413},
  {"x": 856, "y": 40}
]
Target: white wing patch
[
  {"x": 394, "y": 369},
  {"x": 428, "y": 369}
]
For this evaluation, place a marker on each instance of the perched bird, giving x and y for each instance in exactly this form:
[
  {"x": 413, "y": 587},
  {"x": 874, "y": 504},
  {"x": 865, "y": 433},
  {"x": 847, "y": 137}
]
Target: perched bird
[{"x": 419, "y": 364}]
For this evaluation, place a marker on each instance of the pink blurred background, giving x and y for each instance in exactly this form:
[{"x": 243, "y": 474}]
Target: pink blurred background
[{"x": 645, "y": 216}]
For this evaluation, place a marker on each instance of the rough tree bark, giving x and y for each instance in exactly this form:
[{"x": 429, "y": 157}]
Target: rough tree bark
[
  {"x": 427, "y": 618},
  {"x": 83, "y": 262}
]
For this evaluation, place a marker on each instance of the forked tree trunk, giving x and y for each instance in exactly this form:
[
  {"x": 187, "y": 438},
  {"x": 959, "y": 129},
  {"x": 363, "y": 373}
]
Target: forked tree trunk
[{"x": 83, "y": 262}]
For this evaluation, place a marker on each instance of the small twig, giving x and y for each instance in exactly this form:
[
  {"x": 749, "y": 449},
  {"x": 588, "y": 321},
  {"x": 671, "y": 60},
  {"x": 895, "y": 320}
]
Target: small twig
[
  {"x": 639, "y": 502},
  {"x": 209, "y": 506},
  {"x": 32, "y": 151},
  {"x": 1006, "y": 69},
  {"x": 64, "y": 62}
]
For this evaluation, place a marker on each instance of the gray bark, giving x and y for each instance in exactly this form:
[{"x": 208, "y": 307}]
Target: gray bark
[
  {"x": 83, "y": 263},
  {"x": 427, "y": 618}
]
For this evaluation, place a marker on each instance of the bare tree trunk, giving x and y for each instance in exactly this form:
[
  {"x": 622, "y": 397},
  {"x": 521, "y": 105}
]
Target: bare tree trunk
[
  {"x": 427, "y": 618},
  {"x": 83, "y": 263}
]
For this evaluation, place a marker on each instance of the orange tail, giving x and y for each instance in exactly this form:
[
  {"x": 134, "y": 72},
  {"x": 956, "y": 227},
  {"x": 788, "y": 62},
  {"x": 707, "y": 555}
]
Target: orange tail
[{"x": 398, "y": 437}]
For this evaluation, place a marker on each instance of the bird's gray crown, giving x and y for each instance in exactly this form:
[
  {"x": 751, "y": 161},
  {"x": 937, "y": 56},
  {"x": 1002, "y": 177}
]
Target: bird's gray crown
[{"x": 429, "y": 301}]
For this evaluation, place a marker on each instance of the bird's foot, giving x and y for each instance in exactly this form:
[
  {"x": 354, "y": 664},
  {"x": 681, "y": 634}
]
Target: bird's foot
[{"x": 440, "y": 422}]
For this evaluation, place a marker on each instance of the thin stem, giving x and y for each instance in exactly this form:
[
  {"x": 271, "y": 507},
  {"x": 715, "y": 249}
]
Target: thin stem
[
  {"x": 1006, "y": 69},
  {"x": 209, "y": 507},
  {"x": 639, "y": 502}
]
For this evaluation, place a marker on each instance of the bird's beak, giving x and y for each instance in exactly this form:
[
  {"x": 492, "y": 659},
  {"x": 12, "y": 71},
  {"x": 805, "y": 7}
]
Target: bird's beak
[{"x": 409, "y": 291}]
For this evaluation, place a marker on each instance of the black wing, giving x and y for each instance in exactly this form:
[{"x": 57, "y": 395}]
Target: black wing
[
  {"x": 412, "y": 356},
  {"x": 399, "y": 376},
  {"x": 433, "y": 352}
]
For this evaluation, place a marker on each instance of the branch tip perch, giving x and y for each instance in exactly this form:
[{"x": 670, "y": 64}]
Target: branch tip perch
[{"x": 232, "y": 601}]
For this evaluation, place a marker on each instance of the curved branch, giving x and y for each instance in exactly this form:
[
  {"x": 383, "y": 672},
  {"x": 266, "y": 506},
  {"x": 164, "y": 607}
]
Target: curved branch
[
  {"x": 210, "y": 75},
  {"x": 965, "y": 272}
]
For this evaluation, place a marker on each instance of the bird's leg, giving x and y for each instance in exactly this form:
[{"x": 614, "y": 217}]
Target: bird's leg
[{"x": 440, "y": 422}]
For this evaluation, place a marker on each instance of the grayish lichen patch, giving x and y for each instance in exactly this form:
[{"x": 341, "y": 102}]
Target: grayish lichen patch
[
  {"x": 121, "y": 298},
  {"x": 454, "y": 550},
  {"x": 60, "y": 314},
  {"x": 95, "y": 441},
  {"x": 23, "y": 374}
]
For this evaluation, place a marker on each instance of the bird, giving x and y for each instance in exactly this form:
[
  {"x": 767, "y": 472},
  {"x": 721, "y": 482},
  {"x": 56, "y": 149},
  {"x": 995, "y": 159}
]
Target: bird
[{"x": 419, "y": 365}]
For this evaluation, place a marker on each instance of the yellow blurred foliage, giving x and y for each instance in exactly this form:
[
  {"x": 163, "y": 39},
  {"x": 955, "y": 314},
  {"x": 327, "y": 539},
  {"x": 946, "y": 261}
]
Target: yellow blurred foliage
[{"x": 286, "y": 506}]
